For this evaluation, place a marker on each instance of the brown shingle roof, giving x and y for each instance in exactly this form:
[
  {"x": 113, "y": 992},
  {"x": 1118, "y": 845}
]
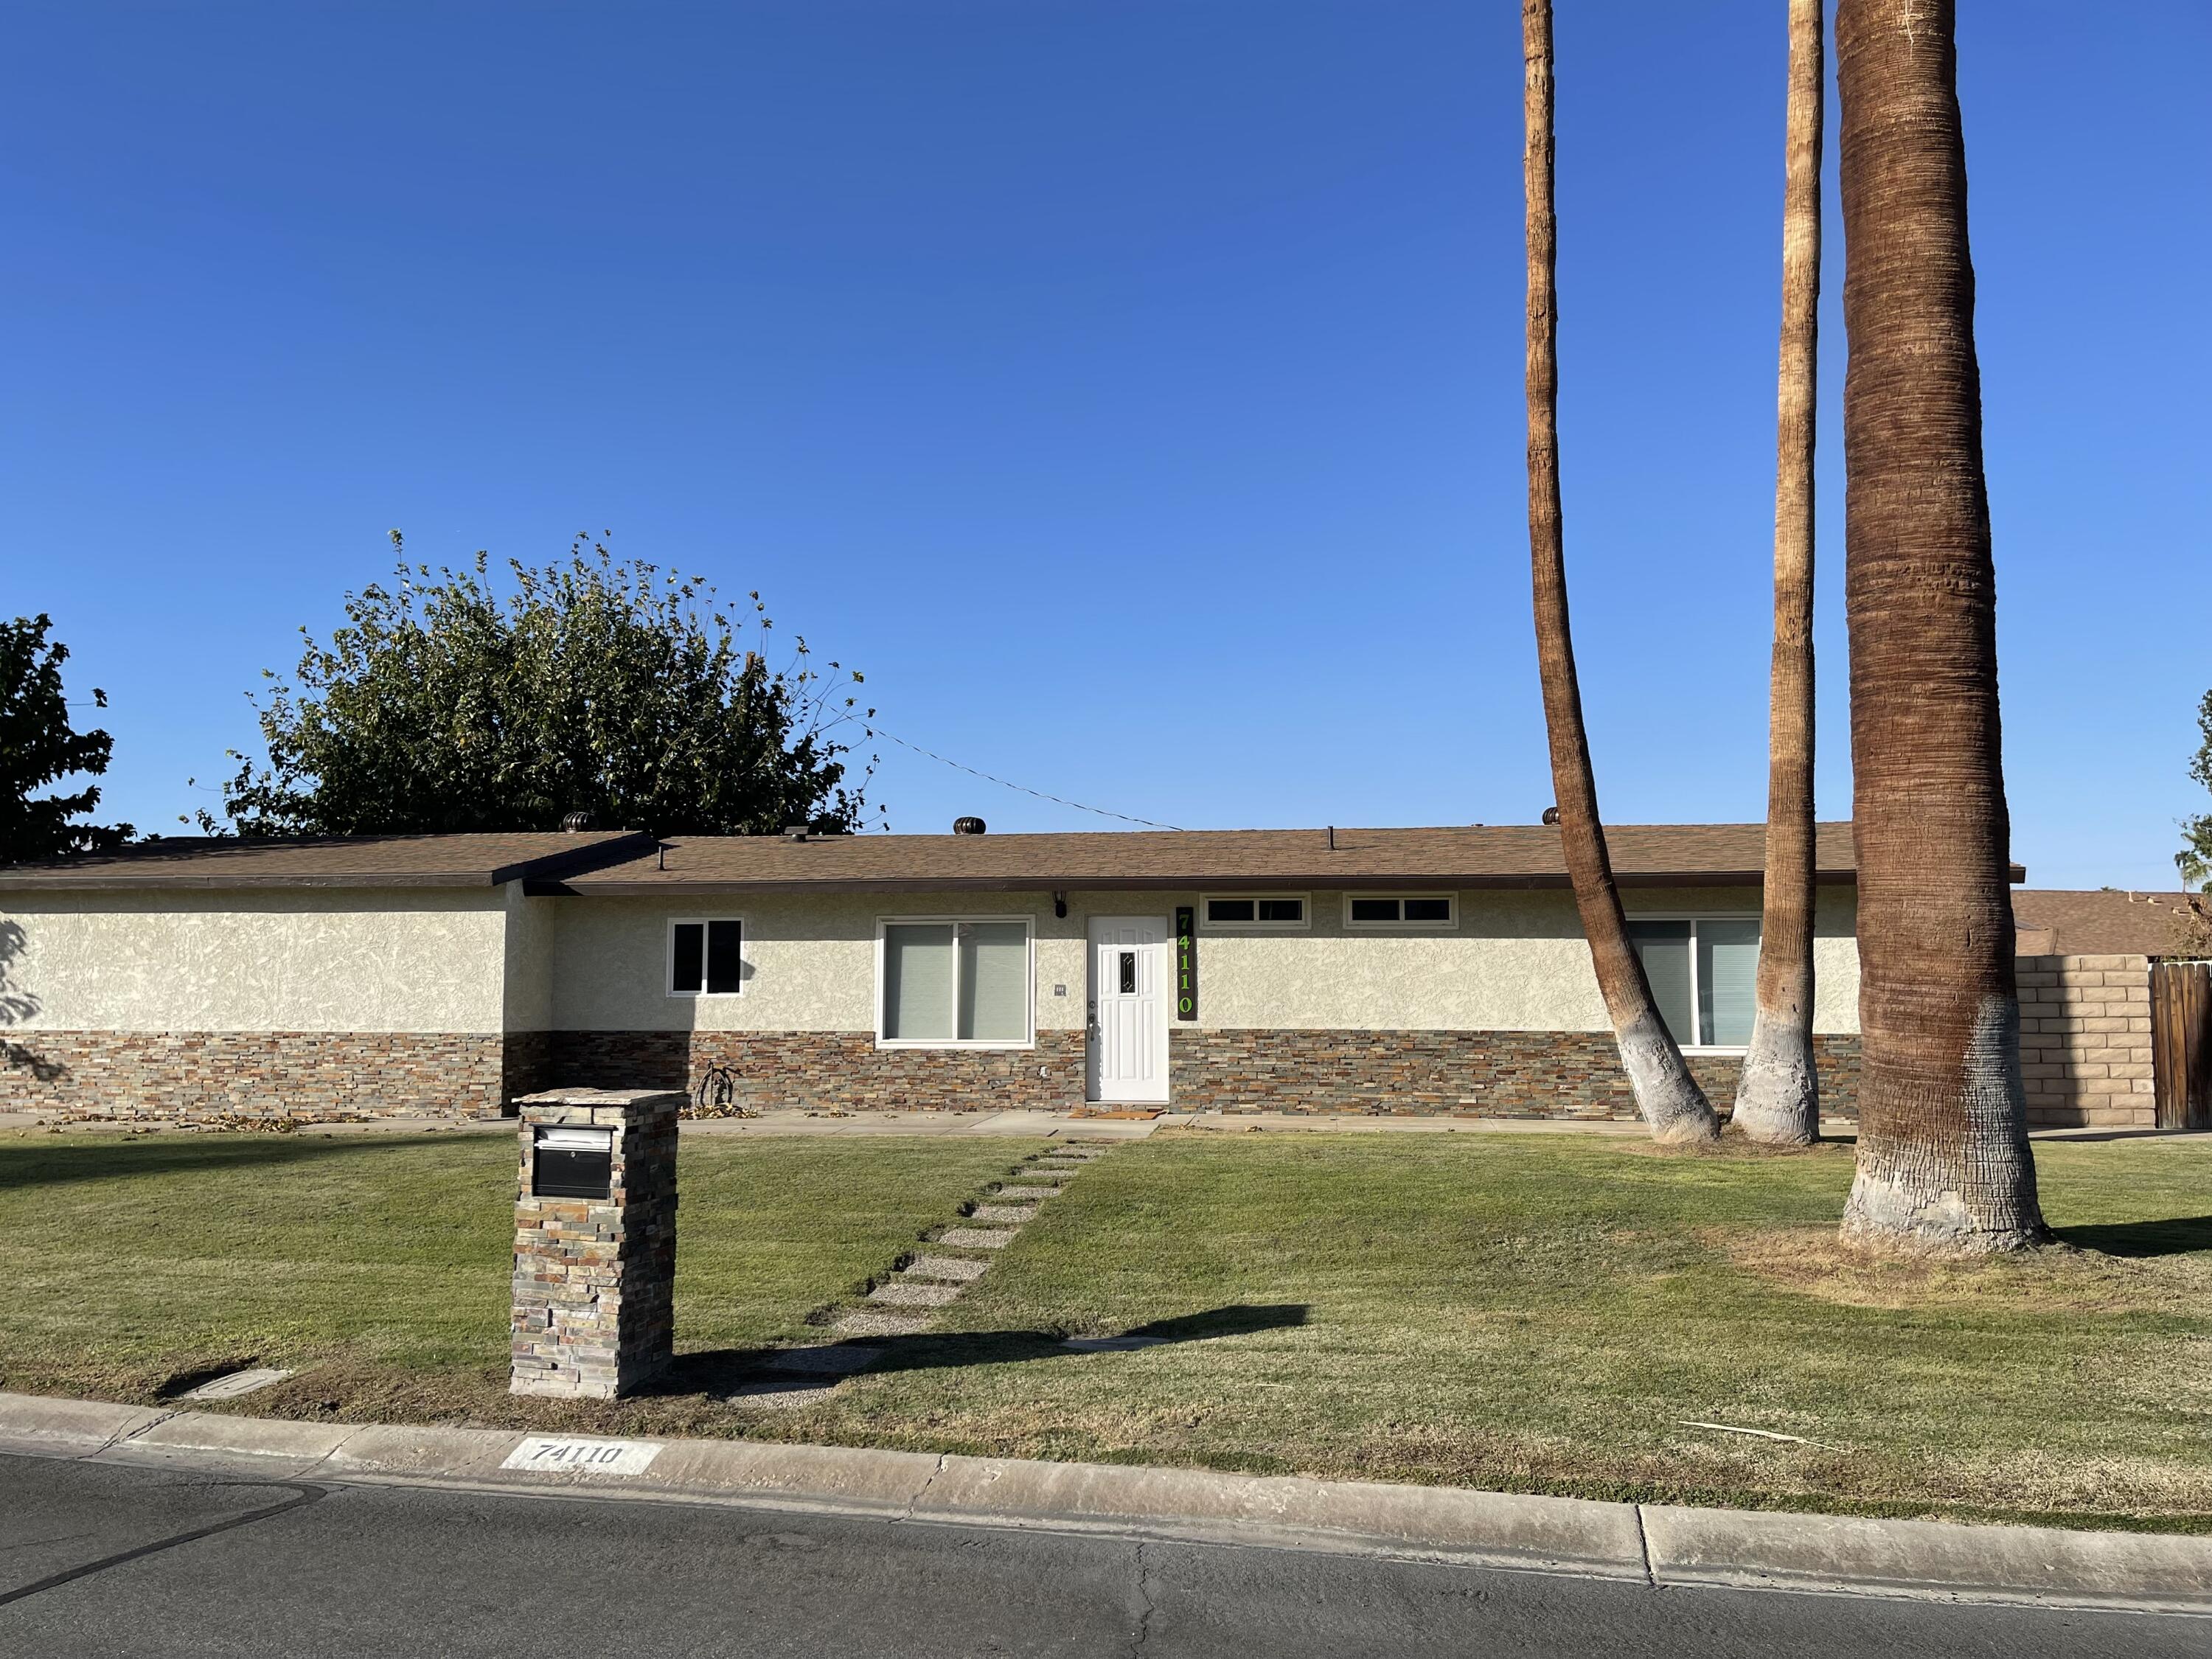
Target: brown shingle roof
[
  {"x": 2107, "y": 922},
  {"x": 463, "y": 860},
  {"x": 1506, "y": 855}
]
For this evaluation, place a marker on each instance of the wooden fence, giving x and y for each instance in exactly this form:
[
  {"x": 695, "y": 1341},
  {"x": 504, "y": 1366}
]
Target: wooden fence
[{"x": 2181, "y": 1043}]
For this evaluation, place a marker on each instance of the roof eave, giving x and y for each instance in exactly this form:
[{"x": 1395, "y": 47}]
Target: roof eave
[
  {"x": 598, "y": 853},
  {"x": 674, "y": 883}
]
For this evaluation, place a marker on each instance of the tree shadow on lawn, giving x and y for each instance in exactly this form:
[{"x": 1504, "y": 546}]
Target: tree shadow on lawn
[
  {"x": 722, "y": 1370},
  {"x": 50, "y": 1162},
  {"x": 2174, "y": 1235}
]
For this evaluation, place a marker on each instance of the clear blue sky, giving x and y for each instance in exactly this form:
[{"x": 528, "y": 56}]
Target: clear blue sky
[{"x": 1132, "y": 388}]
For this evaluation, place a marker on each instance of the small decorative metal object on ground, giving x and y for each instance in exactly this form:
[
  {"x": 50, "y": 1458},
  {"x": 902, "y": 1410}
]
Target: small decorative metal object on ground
[{"x": 594, "y": 1242}]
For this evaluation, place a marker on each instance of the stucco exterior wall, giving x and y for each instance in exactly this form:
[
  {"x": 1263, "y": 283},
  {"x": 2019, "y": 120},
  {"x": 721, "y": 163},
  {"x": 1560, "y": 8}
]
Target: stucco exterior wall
[
  {"x": 532, "y": 928},
  {"x": 291, "y": 961},
  {"x": 1516, "y": 963},
  {"x": 810, "y": 962}
]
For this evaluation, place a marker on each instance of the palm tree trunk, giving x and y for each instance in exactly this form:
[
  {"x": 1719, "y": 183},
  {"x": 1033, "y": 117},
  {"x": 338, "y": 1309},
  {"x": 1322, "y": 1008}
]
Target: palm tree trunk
[
  {"x": 1666, "y": 1093},
  {"x": 1943, "y": 1160},
  {"x": 1777, "y": 1098}
]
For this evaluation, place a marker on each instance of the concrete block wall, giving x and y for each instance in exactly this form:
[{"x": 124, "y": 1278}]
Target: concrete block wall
[{"x": 2085, "y": 1041}]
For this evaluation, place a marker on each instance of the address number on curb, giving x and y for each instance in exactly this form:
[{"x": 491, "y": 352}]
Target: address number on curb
[{"x": 566, "y": 1455}]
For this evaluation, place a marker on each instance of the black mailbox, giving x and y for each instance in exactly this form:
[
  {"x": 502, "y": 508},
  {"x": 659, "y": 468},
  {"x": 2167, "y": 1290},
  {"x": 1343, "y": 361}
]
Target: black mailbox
[{"x": 566, "y": 1163}]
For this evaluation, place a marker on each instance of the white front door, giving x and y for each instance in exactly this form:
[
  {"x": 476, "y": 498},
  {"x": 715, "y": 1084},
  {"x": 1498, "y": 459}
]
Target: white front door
[{"x": 1129, "y": 1009}]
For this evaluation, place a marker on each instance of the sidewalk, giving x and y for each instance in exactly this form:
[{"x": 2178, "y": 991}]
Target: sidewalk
[{"x": 1654, "y": 1544}]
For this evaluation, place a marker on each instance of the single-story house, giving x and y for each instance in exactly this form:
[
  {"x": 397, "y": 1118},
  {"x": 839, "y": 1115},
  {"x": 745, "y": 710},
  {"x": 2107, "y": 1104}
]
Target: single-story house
[{"x": 1433, "y": 970}]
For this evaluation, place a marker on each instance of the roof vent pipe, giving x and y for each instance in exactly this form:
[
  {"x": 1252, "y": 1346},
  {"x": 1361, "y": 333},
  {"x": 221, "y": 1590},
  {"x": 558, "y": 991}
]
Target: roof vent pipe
[
  {"x": 968, "y": 826},
  {"x": 1551, "y": 815}
]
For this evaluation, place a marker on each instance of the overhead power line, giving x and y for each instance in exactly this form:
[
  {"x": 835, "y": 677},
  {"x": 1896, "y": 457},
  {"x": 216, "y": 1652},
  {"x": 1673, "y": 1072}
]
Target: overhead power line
[{"x": 874, "y": 730}]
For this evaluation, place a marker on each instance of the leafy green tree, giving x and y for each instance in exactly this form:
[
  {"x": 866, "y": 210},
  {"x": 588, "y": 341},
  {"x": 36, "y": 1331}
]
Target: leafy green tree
[
  {"x": 2195, "y": 858},
  {"x": 615, "y": 689},
  {"x": 38, "y": 746}
]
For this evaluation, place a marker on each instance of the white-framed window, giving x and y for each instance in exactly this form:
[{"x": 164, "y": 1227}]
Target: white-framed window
[
  {"x": 1255, "y": 912},
  {"x": 1703, "y": 972},
  {"x": 955, "y": 982},
  {"x": 1414, "y": 911},
  {"x": 705, "y": 956}
]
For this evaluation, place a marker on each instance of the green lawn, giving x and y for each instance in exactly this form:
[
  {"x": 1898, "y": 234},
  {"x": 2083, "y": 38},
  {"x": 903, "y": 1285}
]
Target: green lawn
[
  {"x": 378, "y": 1265},
  {"x": 1541, "y": 1313}
]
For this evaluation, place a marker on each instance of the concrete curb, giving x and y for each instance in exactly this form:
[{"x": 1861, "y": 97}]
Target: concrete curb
[{"x": 1656, "y": 1543}]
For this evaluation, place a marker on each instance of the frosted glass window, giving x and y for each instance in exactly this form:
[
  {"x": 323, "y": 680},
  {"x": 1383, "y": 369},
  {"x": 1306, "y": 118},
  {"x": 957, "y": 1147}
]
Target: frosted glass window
[
  {"x": 1664, "y": 947},
  {"x": 1728, "y": 975},
  {"x": 995, "y": 981},
  {"x": 918, "y": 972}
]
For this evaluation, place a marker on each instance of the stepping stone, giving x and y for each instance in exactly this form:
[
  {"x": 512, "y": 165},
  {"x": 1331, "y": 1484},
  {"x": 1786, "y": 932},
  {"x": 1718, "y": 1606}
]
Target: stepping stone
[
  {"x": 1058, "y": 1171},
  {"x": 1111, "y": 1344},
  {"x": 830, "y": 1359},
  {"x": 238, "y": 1383},
  {"x": 915, "y": 1296},
  {"x": 1027, "y": 1192},
  {"x": 1077, "y": 1150},
  {"x": 976, "y": 1238},
  {"x": 864, "y": 1323},
  {"x": 961, "y": 1267},
  {"x": 1014, "y": 1212},
  {"x": 783, "y": 1397}
]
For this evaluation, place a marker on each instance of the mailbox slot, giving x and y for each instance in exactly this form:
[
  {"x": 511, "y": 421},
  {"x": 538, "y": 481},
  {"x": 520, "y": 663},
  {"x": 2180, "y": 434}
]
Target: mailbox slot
[{"x": 568, "y": 1162}]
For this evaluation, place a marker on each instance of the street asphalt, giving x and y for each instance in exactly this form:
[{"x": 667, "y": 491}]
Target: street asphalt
[{"x": 100, "y": 1559}]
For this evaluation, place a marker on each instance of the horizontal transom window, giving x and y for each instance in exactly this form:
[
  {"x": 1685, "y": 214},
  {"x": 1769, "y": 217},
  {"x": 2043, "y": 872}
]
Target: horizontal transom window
[
  {"x": 706, "y": 957},
  {"x": 944, "y": 983},
  {"x": 1257, "y": 910},
  {"x": 1400, "y": 910},
  {"x": 1703, "y": 972}
]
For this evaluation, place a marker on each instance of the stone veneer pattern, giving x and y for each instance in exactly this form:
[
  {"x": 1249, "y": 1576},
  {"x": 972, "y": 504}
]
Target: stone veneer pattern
[
  {"x": 1522, "y": 1075},
  {"x": 826, "y": 1070},
  {"x": 217, "y": 1075},
  {"x": 594, "y": 1309}
]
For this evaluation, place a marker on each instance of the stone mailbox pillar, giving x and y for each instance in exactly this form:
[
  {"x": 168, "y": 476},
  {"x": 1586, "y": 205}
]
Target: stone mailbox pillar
[{"x": 594, "y": 1242}]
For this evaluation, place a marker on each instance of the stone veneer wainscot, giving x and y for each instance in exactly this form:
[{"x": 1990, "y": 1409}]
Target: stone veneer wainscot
[{"x": 594, "y": 1307}]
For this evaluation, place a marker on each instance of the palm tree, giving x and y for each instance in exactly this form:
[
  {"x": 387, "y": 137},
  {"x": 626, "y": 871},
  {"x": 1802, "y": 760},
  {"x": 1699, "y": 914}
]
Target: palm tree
[
  {"x": 1666, "y": 1093},
  {"x": 1943, "y": 1160},
  {"x": 1777, "y": 1096}
]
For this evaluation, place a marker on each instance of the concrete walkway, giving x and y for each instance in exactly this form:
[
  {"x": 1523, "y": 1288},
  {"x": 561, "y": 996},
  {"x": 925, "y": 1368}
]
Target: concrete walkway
[
  {"x": 1654, "y": 1545},
  {"x": 907, "y": 1299}
]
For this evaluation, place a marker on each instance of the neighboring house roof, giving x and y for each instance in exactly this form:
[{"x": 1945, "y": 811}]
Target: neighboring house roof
[
  {"x": 461, "y": 860},
  {"x": 2110, "y": 921},
  {"x": 1506, "y": 855}
]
